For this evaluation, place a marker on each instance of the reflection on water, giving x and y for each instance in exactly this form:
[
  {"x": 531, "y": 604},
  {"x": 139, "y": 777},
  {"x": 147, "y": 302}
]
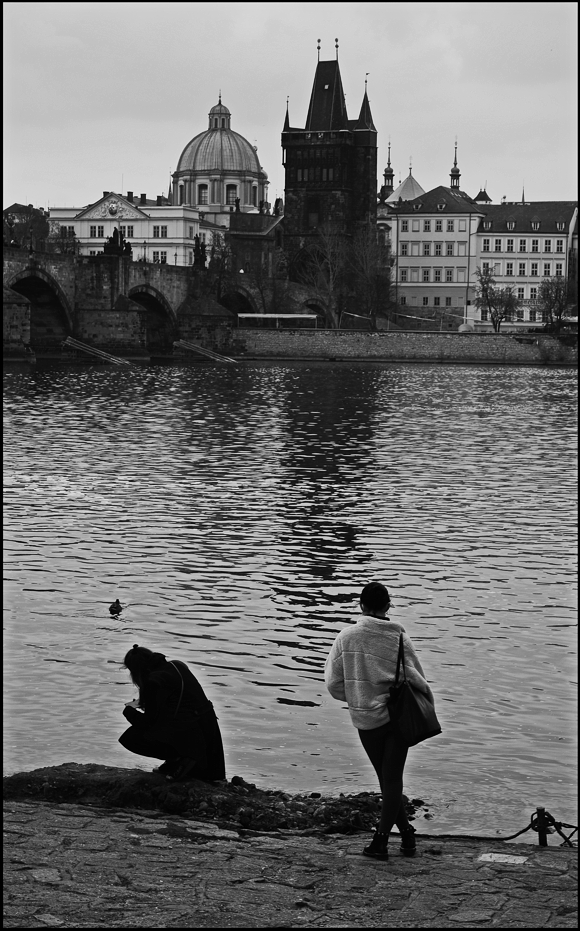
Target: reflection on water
[{"x": 238, "y": 511}]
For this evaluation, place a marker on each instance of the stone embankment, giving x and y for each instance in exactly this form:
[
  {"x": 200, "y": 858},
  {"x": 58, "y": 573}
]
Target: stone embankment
[{"x": 96, "y": 847}]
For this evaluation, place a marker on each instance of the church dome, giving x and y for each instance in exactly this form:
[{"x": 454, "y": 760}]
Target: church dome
[{"x": 219, "y": 148}]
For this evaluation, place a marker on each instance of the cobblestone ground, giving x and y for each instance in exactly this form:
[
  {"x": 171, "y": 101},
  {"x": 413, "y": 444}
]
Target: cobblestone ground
[{"x": 74, "y": 866}]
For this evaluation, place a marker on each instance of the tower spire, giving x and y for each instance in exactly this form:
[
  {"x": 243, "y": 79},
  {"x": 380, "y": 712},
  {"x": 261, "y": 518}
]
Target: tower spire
[
  {"x": 455, "y": 174},
  {"x": 318, "y": 47},
  {"x": 336, "y": 47}
]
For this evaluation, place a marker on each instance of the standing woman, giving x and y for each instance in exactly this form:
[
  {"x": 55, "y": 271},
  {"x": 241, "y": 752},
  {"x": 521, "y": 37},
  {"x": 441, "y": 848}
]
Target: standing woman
[
  {"x": 176, "y": 723},
  {"x": 360, "y": 669}
]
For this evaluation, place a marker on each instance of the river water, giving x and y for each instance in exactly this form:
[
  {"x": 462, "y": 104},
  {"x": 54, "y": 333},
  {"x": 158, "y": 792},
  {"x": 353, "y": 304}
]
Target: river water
[{"x": 237, "y": 512}]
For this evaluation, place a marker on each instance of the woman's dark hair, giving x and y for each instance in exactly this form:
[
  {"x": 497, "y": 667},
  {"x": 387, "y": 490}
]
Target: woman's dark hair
[
  {"x": 375, "y": 597},
  {"x": 140, "y": 661}
]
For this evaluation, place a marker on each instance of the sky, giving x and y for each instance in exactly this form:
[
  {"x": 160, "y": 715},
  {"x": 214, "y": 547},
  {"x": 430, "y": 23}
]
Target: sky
[{"x": 105, "y": 96}]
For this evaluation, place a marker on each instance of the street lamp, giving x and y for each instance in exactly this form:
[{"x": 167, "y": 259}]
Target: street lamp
[{"x": 175, "y": 255}]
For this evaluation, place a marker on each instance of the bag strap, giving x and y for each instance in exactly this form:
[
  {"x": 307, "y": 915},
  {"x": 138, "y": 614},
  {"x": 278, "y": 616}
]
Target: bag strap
[
  {"x": 401, "y": 660},
  {"x": 181, "y": 693}
]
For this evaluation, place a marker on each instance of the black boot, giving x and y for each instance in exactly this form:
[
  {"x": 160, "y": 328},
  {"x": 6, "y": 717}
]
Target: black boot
[
  {"x": 408, "y": 846},
  {"x": 378, "y": 847}
]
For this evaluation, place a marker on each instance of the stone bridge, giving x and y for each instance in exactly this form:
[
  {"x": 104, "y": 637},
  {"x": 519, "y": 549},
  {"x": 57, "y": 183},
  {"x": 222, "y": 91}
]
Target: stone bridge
[{"x": 110, "y": 302}]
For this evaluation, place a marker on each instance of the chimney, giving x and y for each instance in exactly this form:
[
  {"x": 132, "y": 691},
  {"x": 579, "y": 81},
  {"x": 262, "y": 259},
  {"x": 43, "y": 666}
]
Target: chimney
[
  {"x": 143, "y": 199},
  {"x": 105, "y": 193},
  {"x": 159, "y": 200},
  {"x": 130, "y": 196}
]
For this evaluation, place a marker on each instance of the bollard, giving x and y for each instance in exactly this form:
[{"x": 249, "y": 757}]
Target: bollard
[{"x": 542, "y": 827}]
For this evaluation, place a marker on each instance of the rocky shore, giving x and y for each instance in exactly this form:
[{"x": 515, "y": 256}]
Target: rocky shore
[
  {"x": 89, "y": 846},
  {"x": 231, "y": 804}
]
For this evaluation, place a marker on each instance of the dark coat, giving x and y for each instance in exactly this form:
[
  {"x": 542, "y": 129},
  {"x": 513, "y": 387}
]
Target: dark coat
[{"x": 177, "y": 713}]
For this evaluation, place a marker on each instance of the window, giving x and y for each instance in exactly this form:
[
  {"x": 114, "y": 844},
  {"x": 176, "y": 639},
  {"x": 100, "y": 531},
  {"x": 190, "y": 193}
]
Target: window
[
  {"x": 450, "y": 226},
  {"x": 484, "y": 313},
  {"x": 155, "y": 232},
  {"x": 521, "y": 268},
  {"x": 191, "y": 232},
  {"x": 438, "y": 248},
  {"x": 437, "y": 274},
  {"x": 404, "y": 226},
  {"x": 415, "y": 226},
  {"x": 523, "y": 245},
  {"x": 448, "y": 302},
  {"x": 191, "y": 258},
  {"x": 425, "y": 302},
  {"x": 164, "y": 258},
  {"x": 559, "y": 269},
  {"x": 510, "y": 245},
  {"x": 93, "y": 233},
  {"x": 437, "y": 301},
  {"x": 130, "y": 232},
  {"x": 509, "y": 269},
  {"x": 448, "y": 274},
  {"x": 532, "y": 315},
  {"x": 462, "y": 226},
  {"x": 164, "y": 232},
  {"x": 305, "y": 174},
  {"x": 449, "y": 248},
  {"x": 402, "y": 301},
  {"x": 547, "y": 269},
  {"x": 560, "y": 225},
  {"x": 521, "y": 293},
  {"x": 547, "y": 245},
  {"x": 404, "y": 274},
  {"x": 520, "y": 313},
  {"x": 426, "y": 274},
  {"x": 100, "y": 231},
  {"x": 487, "y": 224},
  {"x": 93, "y": 252},
  {"x": 404, "y": 248},
  {"x": 426, "y": 226},
  {"x": 534, "y": 271},
  {"x": 231, "y": 194},
  {"x": 485, "y": 266},
  {"x": 533, "y": 293},
  {"x": 156, "y": 256},
  {"x": 535, "y": 224},
  {"x": 438, "y": 226},
  {"x": 202, "y": 194},
  {"x": 559, "y": 245},
  {"x": 486, "y": 243},
  {"x": 497, "y": 245},
  {"x": 426, "y": 248},
  {"x": 535, "y": 245},
  {"x": 511, "y": 225}
]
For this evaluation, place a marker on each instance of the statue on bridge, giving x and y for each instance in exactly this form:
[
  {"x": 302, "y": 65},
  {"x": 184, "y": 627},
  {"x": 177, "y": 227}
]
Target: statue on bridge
[
  {"x": 199, "y": 256},
  {"x": 117, "y": 244}
]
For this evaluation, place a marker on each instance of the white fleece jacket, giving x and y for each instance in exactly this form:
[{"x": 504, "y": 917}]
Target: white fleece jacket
[{"x": 362, "y": 665}]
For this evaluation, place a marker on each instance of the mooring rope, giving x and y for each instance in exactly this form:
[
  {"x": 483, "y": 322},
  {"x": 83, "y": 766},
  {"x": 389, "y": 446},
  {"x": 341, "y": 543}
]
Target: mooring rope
[{"x": 542, "y": 822}]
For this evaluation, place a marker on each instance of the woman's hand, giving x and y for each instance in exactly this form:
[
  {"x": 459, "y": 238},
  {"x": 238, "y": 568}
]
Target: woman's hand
[{"x": 132, "y": 704}]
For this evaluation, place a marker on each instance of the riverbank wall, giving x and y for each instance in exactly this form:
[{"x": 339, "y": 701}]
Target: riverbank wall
[{"x": 403, "y": 346}]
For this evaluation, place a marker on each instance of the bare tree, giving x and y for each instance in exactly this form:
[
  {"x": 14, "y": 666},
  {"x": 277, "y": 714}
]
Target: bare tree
[
  {"x": 553, "y": 298},
  {"x": 500, "y": 303},
  {"x": 324, "y": 271},
  {"x": 370, "y": 275}
]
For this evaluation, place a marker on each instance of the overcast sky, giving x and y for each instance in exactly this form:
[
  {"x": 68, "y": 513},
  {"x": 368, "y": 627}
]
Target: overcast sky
[{"x": 105, "y": 96}]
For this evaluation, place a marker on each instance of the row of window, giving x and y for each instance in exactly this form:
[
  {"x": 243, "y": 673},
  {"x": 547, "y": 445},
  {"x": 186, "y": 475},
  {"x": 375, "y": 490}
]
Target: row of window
[
  {"x": 98, "y": 232},
  {"x": 203, "y": 195},
  {"x": 439, "y": 274},
  {"x": 534, "y": 315},
  {"x": 314, "y": 174},
  {"x": 535, "y": 225},
  {"x": 427, "y": 301},
  {"x": 522, "y": 245},
  {"x": 429, "y": 248},
  {"x": 437, "y": 228},
  {"x": 522, "y": 269}
]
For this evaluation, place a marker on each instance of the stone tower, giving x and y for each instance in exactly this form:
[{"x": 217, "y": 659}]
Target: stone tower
[{"x": 331, "y": 164}]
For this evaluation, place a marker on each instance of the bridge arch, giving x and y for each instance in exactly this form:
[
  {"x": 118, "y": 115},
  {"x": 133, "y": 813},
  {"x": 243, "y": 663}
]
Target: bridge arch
[
  {"x": 51, "y": 315},
  {"x": 161, "y": 320},
  {"x": 239, "y": 300}
]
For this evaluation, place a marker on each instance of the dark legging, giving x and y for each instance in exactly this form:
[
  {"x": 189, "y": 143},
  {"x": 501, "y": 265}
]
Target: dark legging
[{"x": 388, "y": 754}]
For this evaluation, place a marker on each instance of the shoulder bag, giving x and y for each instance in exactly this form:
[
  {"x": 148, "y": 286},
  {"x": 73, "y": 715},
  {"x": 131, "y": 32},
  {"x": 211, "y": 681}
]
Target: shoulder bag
[{"x": 411, "y": 711}]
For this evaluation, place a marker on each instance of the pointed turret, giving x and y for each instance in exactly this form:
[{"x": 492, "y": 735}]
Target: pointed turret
[
  {"x": 455, "y": 174},
  {"x": 365, "y": 120},
  {"x": 287, "y": 120}
]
